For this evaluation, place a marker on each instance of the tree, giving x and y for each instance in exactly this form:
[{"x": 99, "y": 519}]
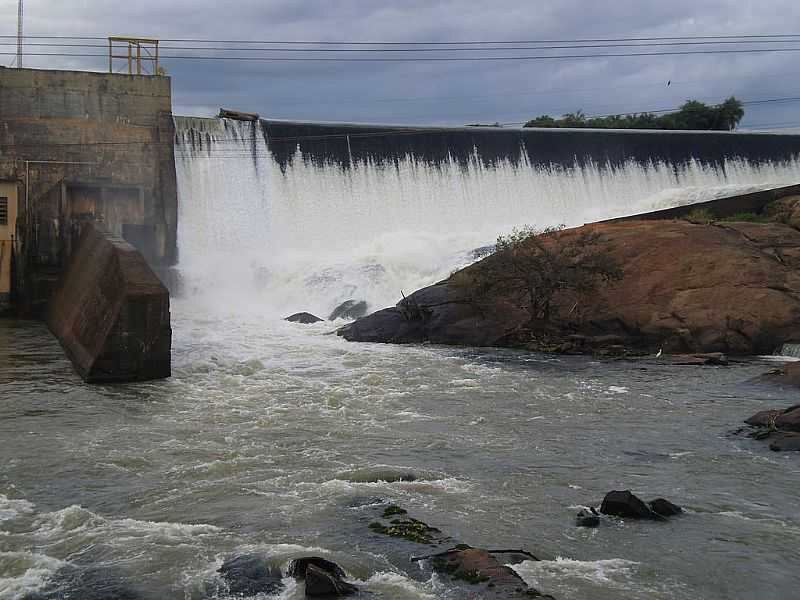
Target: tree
[
  {"x": 532, "y": 266},
  {"x": 691, "y": 115}
]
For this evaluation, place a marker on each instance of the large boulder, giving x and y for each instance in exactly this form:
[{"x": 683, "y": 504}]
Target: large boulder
[
  {"x": 729, "y": 288},
  {"x": 622, "y": 503},
  {"x": 442, "y": 314}
]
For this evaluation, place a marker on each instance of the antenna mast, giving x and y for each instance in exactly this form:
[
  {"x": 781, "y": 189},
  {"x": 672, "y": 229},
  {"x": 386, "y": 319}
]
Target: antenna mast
[{"x": 19, "y": 35}]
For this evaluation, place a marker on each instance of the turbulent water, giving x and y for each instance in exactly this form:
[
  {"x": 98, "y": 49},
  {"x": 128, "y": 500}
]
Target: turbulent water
[{"x": 280, "y": 439}]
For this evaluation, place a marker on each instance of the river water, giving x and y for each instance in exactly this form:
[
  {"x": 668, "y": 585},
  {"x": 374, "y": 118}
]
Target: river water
[
  {"x": 280, "y": 439},
  {"x": 270, "y": 437}
]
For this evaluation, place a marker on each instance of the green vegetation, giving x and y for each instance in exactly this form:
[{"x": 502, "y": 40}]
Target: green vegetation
[
  {"x": 692, "y": 115},
  {"x": 701, "y": 216},
  {"x": 704, "y": 216},
  {"x": 531, "y": 266}
]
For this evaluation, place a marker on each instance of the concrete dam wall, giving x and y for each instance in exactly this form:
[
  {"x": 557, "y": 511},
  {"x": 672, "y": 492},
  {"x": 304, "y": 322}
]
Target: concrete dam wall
[
  {"x": 319, "y": 213},
  {"x": 565, "y": 148}
]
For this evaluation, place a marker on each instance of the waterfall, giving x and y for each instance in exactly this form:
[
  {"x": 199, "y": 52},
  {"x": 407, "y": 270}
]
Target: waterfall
[{"x": 302, "y": 218}]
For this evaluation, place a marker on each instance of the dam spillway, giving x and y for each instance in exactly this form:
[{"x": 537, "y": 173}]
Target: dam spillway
[{"x": 330, "y": 211}]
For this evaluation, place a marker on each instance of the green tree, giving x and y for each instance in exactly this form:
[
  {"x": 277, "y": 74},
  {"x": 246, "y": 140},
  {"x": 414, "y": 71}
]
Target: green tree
[{"x": 691, "y": 115}]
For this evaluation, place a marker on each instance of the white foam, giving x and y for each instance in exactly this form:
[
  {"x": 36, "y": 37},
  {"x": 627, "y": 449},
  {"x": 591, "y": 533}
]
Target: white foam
[
  {"x": 396, "y": 585},
  {"x": 24, "y": 572},
  {"x": 11, "y": 508},
  {"x": 597, "y": 571}
]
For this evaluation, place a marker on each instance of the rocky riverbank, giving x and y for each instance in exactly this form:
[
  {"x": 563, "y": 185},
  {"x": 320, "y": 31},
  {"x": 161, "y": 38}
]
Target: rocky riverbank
[{"x": 683, "y": 287}]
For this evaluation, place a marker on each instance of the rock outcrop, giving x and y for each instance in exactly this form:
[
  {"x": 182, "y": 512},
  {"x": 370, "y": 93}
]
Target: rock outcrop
[
  {"x": 111, "y": 312},
  {"x": 724, "y": 287},
  {"x": 303, "y": 317},
  {"x": 349, "y": 309}
]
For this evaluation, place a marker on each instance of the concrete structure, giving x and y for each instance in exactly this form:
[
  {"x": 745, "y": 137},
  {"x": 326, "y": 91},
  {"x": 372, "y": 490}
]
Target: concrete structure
[
  {"x": 85, "y": 147},
  {"x": 110, "y": 312}
]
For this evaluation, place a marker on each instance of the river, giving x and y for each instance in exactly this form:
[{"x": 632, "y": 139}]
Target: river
[{"x": 274, "y": 437}]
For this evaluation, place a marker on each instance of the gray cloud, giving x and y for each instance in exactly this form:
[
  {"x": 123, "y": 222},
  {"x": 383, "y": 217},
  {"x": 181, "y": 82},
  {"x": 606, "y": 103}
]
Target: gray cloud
[{"x": 447, "y": 93}]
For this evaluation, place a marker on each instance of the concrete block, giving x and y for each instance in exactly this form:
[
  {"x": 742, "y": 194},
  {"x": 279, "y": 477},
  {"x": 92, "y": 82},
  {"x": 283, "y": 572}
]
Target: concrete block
[{"x": 111, "y": 313}]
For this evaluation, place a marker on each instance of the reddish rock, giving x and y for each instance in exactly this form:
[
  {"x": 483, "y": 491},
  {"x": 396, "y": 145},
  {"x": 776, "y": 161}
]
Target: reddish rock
[
  {"x": 729, "y": 288},
  {"x": 111, "y": 312},
  {"x": 477, "y": 566}
]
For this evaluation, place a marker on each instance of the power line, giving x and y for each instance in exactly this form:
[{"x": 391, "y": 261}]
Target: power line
[
  {"x": 429, "y": 59},
  {"x": 418, "y": 50},
  {"x": 429, "y": 43}
]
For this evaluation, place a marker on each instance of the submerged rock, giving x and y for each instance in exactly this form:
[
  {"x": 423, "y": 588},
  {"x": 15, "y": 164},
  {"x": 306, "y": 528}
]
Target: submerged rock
[
  {"x": 708, "y": 358},
  {"x": 349, "y": 309},
  {"x": 303, "y": 317},
  {"x": 665, "y": 508},
  {"x": 249, "y": 575},
  {"x": 587, "y": 518},
  {"x": 86, "y": 583},
  {"x": 785, "y": 442}
]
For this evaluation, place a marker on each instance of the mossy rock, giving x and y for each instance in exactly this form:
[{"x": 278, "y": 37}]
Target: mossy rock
[{"x": 408, "y": 529}]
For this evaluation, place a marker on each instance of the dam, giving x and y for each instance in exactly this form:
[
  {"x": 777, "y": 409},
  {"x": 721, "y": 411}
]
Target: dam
[{"x": 319, "y": 213}]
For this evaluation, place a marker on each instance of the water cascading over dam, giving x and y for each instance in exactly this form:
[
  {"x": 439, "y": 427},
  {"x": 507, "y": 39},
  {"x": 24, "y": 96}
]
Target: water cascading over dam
[{"x": 308, "y": 215}]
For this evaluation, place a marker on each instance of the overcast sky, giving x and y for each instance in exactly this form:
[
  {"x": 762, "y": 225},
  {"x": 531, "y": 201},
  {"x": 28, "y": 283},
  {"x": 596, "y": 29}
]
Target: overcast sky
[{"x": 439, "y": 92}]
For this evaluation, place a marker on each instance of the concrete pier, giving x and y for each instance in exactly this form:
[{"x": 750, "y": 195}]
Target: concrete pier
[{"x": 111, "y": 313}]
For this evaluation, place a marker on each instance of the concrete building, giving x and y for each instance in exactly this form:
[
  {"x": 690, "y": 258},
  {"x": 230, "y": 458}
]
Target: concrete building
[{"x": 78, "y": 147}]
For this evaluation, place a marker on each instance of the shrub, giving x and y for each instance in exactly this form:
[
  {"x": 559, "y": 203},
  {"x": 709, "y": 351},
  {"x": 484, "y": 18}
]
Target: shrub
[
  {"x": 532, "y": 265},
  {"x": 700, "y": 216}
]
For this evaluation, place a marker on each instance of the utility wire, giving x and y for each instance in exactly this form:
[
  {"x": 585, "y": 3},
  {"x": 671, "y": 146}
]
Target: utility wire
[
  {"x": 426, "y": 59},
  {"x": 416, "y": 50},
  {"x": 437, "y": 43}
]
